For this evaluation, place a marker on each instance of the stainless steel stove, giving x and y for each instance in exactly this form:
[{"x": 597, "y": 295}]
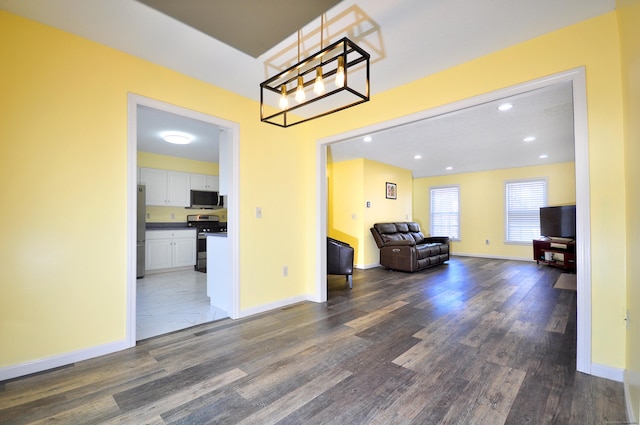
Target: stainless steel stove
[{"x": 204, "y": 223}]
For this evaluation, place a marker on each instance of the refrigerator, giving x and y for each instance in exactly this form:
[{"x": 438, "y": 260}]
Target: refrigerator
[{"x": 141, "y": 212}]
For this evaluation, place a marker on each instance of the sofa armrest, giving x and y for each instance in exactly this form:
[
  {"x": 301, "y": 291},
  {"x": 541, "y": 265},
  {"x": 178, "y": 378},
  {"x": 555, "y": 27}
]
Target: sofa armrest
[{"x": 400, "y": 243}]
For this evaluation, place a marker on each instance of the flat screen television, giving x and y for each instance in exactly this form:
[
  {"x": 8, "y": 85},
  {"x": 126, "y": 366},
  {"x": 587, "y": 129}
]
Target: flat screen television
[{"x": 558, "y": 221}]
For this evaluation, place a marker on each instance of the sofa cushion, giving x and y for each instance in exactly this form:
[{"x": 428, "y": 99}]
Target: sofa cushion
[
  {"x": 388, "y": 237},
  {"x": 402, "y": 227},
  {"x": 383, "y": 228},
  {"x": 417, "y": 236},
  {"x": 413, "y": 227}
]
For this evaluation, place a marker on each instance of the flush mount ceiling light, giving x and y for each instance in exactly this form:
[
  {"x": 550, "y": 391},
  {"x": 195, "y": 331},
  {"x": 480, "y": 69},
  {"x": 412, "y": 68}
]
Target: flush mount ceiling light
[
  {"x": 367, "y": 139},
  {"x": 333, "y": 79},
  {"x": 529, "y": 139},
  {"x": 177, "y": 138},
  {"x": 505, "y": 107}
]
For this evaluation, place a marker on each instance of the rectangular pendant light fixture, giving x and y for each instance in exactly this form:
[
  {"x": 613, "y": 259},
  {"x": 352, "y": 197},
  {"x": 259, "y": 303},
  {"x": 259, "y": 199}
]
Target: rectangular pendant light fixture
[{"x": 333, "y": 79}]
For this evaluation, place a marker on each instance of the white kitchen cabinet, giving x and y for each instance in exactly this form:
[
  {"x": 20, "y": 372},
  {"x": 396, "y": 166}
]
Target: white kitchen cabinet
[
  {"x": 204, "y": 182},
  {"x": 166, "y": 188},
  {"x": 166, "y": 249}
]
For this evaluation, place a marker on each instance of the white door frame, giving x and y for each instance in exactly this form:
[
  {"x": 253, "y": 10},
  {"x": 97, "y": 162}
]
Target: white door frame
[
  {"x": 583, "y": 202},
  {"x": 231, "y": 131}
]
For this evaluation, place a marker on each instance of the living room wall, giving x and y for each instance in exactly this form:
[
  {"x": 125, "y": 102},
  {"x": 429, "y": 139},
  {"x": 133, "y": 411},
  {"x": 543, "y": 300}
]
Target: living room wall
[
  {"x": 351, "y": 185},
  {"x": 64, "y": 166},
  {"x": 629, "y": 17},
  {"x": 482, "y": 205}
]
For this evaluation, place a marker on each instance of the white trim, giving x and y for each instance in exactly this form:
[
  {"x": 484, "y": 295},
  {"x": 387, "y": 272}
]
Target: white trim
[
  {"x": 230, "y": 129},
  {"x": 273, "y": 306},
  {"x": 583, "y": 254},
  {"x": 321, "y": 224},
  {"x": 607, "y": 372},
  {"x": 493, "y": 257},
  {"x": 52, "y": 362},
  {"x": 631, "y": 379},
  {"x": 366, "y": 266}
]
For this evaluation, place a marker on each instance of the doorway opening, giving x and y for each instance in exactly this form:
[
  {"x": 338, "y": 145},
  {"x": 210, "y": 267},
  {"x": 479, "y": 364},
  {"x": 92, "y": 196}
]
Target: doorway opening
[
  {"x": 228, "y": 174},
  {"x": 577, "y": 79}
]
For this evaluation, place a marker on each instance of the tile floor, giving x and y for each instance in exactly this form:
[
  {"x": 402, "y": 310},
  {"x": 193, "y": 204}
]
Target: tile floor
[{"x": 167, "y": 302}]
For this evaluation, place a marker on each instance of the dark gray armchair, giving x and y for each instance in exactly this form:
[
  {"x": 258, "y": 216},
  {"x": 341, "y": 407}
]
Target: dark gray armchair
[{"x": 340, "y": 259}]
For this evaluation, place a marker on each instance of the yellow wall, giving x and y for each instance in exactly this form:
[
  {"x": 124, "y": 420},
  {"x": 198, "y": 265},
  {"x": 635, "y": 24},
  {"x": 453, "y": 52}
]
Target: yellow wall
[
  {"x": 482, "y": 207},
  {"x": 157, "y": 214},
  {"x": 351, "y": 185},
  {"x": 345, "y": 196},
  {"x": 63, "y": 162},
  {"x": 63, "y": 136},
  {"x": 593, "y": 44},
  {"x": 629, "y": 19}
]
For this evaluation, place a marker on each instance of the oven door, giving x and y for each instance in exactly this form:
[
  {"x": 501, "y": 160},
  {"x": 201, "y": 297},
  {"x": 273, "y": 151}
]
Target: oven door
[{"x": 201, "y": 261}]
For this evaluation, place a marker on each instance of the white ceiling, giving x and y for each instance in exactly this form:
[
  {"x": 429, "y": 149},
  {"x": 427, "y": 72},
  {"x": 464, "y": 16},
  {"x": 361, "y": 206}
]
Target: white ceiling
[{"x": 407, "y": 40}]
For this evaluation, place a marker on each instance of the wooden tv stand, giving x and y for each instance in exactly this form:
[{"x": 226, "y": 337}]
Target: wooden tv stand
[{"x": 559, "y": 253}]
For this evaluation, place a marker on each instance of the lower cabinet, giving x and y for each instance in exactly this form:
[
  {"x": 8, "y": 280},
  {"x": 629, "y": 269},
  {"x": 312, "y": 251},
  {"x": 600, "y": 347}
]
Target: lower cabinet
[{"x": 166, "y": 249}]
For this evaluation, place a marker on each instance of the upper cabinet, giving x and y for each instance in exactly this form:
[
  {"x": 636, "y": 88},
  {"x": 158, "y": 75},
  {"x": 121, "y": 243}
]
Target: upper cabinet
[
  {"x": 204, "y": 182},
  {"x": 166, "y": 188}
]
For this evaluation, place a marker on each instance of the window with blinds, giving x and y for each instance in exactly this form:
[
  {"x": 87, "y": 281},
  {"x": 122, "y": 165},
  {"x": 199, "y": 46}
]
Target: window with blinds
[
  {"x": 445, "y": 211},
  {"x": 523, "y": 201}
]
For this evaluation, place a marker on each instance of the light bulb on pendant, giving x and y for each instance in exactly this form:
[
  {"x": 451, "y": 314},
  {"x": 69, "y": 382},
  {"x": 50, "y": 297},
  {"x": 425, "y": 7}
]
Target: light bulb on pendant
[
  {"x": 284, "y": 103},
  {"x": 340, "y": 72},
  {"x": 300, "y": 97},
  {"x": 318, "y": 87}
]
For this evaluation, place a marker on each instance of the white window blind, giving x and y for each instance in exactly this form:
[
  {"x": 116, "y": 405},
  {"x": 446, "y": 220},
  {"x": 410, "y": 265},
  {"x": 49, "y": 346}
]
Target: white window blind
[
  {"x": 445, "y": 211},
  {"x": 523, "y": 201}
]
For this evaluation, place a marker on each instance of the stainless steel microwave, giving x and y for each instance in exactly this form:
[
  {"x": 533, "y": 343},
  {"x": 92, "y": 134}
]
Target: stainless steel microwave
[{"x": 206, "y": 199}]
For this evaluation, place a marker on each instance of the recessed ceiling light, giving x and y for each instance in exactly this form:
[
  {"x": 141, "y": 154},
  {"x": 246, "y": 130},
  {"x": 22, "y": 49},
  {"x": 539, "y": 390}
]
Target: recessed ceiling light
[
  {"x": 417, "y": 156},
  {"x": 177, "y": 138},
  {"x": 543, "y": 156},
  {"x": 529, "y": 139},
  {"x": 505, "y": 107},
  {"x": 367, "y": 139},
  {"x": 449, "y": 168}
]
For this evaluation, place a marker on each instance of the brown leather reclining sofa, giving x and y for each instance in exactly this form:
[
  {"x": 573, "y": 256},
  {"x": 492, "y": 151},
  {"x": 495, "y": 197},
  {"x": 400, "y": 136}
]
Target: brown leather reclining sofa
[{"x": 404, "y": 247}]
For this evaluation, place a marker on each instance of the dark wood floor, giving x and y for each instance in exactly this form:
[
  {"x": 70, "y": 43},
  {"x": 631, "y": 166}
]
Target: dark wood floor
[{"x": 476, "y": 341}]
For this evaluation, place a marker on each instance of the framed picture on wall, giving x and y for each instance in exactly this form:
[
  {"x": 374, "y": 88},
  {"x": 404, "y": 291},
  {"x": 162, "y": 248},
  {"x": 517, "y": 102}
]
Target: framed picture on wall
[{"x": 392, "y": 191}]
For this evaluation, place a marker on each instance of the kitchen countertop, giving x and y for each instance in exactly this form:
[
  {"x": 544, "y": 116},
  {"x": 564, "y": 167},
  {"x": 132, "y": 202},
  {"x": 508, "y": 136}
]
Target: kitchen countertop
[{"x": 167, "y": 226}]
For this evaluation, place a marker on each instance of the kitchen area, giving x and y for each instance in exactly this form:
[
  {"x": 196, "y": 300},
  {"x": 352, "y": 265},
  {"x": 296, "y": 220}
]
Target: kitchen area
[{"x": 181, "y": 281}]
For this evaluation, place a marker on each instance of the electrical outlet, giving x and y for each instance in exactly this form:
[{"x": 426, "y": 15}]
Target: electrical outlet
[
  {"x": 285, "y": 271},
  {"x": 148, "y": 215},
  {"x": 354, "y": 216},
  {"x": 486, "y": 241},
  {"x": 173, "y": 216},
  {"x": 368, "y": 204},
  {"x": 258, "y": 212}
]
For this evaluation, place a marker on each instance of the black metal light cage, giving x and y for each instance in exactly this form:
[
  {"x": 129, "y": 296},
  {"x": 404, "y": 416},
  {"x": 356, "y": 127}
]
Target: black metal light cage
[{"x": 328, "y": 57}]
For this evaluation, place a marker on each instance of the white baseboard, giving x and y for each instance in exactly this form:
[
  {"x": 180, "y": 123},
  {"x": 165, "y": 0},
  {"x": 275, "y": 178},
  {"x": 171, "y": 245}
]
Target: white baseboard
[
  {"x": 272, "y": 306},
  {"x": 366, "y": 266},
  {"x": 607, "y": 372},
  {"x": 52, "y": 362},
  {"x": 495, "y": 257}
]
